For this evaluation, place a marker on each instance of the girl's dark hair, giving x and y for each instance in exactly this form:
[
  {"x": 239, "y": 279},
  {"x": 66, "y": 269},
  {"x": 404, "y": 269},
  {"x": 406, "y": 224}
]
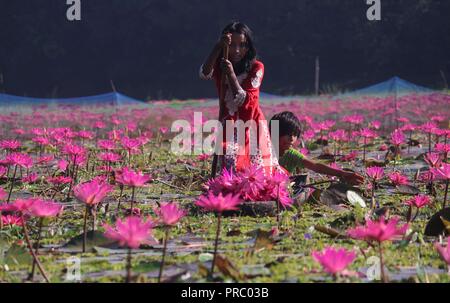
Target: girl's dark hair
[
  {"x": 246, "y": 63},
  {"x": 288, "y": 123}
]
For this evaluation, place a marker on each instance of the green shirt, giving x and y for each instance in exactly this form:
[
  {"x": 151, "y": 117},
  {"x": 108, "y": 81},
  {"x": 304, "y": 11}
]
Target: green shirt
[{"x": 291, "y": 160}]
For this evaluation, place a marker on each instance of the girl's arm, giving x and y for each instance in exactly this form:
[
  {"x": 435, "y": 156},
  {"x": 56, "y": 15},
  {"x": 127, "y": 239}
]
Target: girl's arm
[
  {"x": 232, "y": 78},
  {"x": 208, "y": 65},
  {"x": 327, "y": 170}
]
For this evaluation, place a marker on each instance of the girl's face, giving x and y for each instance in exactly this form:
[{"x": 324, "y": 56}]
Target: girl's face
[{"x": 238, "y": 48}]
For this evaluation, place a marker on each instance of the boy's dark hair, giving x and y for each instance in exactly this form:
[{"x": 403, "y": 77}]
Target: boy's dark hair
[
  {"x": 288, "y": 123},
  {"x": 246, "y": 63}
]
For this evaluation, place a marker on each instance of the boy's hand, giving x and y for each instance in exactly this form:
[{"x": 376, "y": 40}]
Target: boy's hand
[
  {"x": 352, "y": 178},
  {"x": 227, "y": 66}
]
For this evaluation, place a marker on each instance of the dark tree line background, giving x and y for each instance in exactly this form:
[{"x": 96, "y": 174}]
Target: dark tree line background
[{"x": 154, "y": 48}]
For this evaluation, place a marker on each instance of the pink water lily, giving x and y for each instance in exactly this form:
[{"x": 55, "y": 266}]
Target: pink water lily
[
  {"x": 218, "y": 203},
  {"x": 22, "y": 206},
  {"x": 25, "y": 207},
  {"x": 226, "y": 183},
  {"x": 132, "y": 178},
  {"x": 169, "y": 214},
  {"x": 73, "y": 150},
  {"x": 106, "y": 144},
  {"x": 252, "y": 182},
  {"x": 378, "y": 231},
  {"x": 397, "y": 137},
  {"x": 46, "y": 209},
  {"x": 433, "y": 159},
  {"x": 131, "y": 232},
  {"x": 334, "y": 261},
  {"x": 10, "y": 144},
  {"x": 444, "y": 252},
  {"x": 419, "y": 201},
  {"x": 375, "y": 173},
  {"x": 443, "y": 173},
  {"x": 20, "y": 159},
  {"x": 59, "y": 180},
  {"x": 12, "y": 220},
  {"x": 30, "y": 178},
  {"x": 109, "y": 157},
  {"x": 92, "y": 192},
  {"x": 398, "y": 179}
]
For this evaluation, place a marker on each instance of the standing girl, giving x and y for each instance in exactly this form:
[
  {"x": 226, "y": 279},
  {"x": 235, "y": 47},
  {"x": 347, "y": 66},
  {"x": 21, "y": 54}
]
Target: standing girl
[{"x": 242, "y": 75}]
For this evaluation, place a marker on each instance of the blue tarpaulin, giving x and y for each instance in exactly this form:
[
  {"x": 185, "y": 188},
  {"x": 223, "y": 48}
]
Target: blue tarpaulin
[
  {"x": 393, "y": 86},
  {"x": 114, "y": 98}
]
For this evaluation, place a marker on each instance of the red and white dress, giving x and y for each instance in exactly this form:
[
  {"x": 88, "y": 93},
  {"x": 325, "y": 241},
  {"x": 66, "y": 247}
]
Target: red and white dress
[{"x": 244, "y": 105}]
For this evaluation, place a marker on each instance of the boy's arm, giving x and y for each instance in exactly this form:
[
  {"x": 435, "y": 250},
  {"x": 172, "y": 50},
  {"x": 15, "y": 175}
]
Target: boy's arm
[
  {"x": 292, "y": 160},
  {"x": 327, "y": 170}
]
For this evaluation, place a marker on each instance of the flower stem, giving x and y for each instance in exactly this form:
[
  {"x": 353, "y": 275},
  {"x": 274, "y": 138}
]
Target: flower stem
[
  {"x": 383, "y": 274},
  {"x": 12, "y": 184},
  {"x": 166, "y": 237},
  {"x": 364, "y": 150},
  {"x": 429, "y": 142},
  {"x": 445, "y": 195},
  {"x": 86, "y": 212},
  {"x": 415, "y": 216},
  {"x": 410, "y": 137},
  {"x": 128, "y": 277},
  {"x": 278, "y": 207},
  {"x": 120, "y": 198},
  {"x": 132, "y": 200},
  {"x": 73, "y": 175},
  {"x": 216, "y": 244},
  {"x": 27, "y": 239},
  {"x": 373, "y": 195},
  {"x": 33, "y": 268}
]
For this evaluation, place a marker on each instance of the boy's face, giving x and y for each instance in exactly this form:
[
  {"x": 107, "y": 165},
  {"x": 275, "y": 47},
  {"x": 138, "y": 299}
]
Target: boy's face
[{"x": 287, "y": 141}]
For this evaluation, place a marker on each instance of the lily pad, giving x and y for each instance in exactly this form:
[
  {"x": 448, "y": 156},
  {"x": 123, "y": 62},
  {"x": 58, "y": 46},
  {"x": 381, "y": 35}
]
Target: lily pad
[
  {"x": 94, "y": 239},
  {"x": 205, "y": 257},
  {"x": 251, "y": 271},
  {"x": 336, "y": 194},
  {"x": 355, "y": 199},
  {"x": 18, "y": 255},
  {"x": 407, "y": 189},
  {"x": 435, "y": 225},
  {"x": 255, "y": 209},
  {"x": 227, "y": 267}
]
